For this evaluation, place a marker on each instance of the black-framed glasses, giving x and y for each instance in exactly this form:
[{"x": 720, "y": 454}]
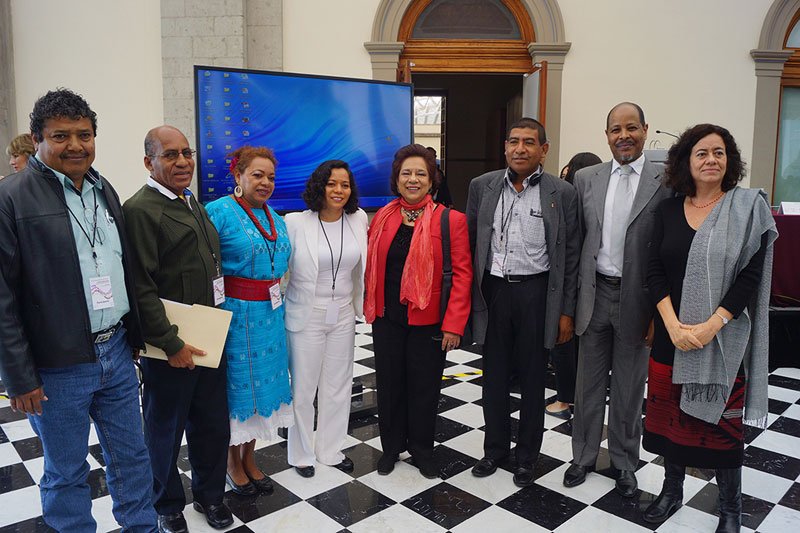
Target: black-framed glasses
[{"x": 173, "y": 155}]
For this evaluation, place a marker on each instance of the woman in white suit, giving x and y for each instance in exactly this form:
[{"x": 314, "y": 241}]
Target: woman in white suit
[{"x": 324, "y": 295}]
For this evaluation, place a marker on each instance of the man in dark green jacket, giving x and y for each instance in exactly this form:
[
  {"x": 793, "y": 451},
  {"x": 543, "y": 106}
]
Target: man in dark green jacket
[{"x": 177, "y": 258}]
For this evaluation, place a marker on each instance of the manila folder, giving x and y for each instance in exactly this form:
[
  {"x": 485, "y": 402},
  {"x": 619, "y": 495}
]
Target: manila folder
[{"x": 204, "y": 327}]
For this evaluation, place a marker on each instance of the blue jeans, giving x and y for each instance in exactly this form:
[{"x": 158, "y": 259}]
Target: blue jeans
[{"x": 106, "y": 390}]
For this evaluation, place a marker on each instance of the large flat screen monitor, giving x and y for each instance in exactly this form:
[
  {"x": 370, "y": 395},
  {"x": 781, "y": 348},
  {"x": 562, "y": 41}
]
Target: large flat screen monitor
[{"x": 305, "y": 120}]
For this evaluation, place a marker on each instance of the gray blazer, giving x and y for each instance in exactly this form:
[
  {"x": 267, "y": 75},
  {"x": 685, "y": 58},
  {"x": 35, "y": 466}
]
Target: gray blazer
[
  {"x": 559, "y": 211},
  {"x": 636, "y": 306}
]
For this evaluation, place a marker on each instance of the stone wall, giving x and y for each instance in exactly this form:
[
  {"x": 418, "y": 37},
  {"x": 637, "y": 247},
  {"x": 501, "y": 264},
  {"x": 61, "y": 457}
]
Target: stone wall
[{"x": 224, "y": 33}]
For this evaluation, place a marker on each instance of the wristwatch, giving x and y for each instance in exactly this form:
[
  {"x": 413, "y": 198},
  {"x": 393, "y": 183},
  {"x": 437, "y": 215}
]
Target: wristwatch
[{"x": 724, "y": 320}]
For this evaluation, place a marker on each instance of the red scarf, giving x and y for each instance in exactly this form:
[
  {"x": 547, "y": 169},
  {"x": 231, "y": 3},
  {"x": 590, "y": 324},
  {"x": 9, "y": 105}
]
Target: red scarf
[{"x": 417, "y": 281}]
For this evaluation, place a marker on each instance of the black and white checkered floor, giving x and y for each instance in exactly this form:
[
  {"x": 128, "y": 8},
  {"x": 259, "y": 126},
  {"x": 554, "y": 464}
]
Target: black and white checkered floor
[{"x": 405, "y": 501}]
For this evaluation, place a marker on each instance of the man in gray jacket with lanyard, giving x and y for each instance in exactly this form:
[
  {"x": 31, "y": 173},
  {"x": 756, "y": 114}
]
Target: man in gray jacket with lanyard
[{"x": 523, "y": 233}]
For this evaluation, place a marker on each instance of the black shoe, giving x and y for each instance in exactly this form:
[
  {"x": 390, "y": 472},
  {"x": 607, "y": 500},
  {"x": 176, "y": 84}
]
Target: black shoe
[
  {"x": 346, "y": 465},
  {"x": 305, "y": 471},
  {"x": 564, "y": 414},
  {"x": 218, "y": 516},
  {"x": 671, "y": 497},
  {"x": 523, "y": 475},
  {"x": 386, "y": 464},
  {"x": 248, "y": 489},
  {"x": 729, "y": 481},
  {"x": 485, "y": 467},
  {"x": 576, "y": 474},
  {"x": 428, "y": 468},
  {"x": 626, "y": 483},
  {"x": 172, "y": 523},
  {"x": 263, "y": 485}
]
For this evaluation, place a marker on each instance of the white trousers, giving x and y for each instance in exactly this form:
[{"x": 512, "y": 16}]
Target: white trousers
[{"x": 321, "y": 360}]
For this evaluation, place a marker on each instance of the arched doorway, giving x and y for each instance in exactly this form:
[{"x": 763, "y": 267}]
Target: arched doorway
[
  {"x": 770, "y": 58},
  {"x": 451, "y": 46}
]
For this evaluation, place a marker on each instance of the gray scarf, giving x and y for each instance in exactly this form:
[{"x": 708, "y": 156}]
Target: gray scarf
[{"x": 722, "y": 247}]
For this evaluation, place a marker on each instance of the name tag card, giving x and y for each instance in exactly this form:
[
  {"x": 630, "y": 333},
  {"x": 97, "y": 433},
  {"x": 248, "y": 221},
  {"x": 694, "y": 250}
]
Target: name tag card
[
  {"x": 102, "y": 296},
  {"x": 332, "y": 313},
  {"x": 218, "y": 285},
  {"x": 275, "y": 296}
]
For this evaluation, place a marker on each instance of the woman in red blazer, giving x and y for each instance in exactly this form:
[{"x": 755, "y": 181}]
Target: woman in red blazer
[{"x": 403, "y": 297}]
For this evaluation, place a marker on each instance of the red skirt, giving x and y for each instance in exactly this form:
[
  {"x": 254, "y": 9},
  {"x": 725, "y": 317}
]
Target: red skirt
[{"x": 683, "y": 439}]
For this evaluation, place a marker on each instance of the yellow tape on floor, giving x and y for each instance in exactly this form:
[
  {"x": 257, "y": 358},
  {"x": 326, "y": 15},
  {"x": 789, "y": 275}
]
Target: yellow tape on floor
[{"x": 462, "y": 375}]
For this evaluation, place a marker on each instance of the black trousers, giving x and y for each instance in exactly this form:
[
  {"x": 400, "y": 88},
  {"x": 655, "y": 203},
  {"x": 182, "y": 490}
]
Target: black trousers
[
  {"x": 408, "y": 370},
  {"x": 174, "y": 400},
  {"x": 565, "y": 361},
  {"x": 514, "y": 338}
]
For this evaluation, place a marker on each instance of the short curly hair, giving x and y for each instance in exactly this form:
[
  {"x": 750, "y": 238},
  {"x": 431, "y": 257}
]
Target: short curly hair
[
  {"x": 242, "y": 157},
  {"x": 314, "y": 195},
  {"x": 679, "y": 176},
  {"x": 415, "y": 150},
  {"x": 21, "y": 145},
  {"x": 61, "y": 103}
]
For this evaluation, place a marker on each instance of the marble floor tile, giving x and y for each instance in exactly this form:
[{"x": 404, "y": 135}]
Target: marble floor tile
[
  {"x": 780, "y": 520},
  {"x": 8, "y": 454},
  {"x": 492, "y": 489},
  {"x": 591, "y": 490},
  {"x": 468, "y": 414},
  {"x": 764, "y": 486},
  {"x": 324, "y": 479},
  {"x": 396, "y": 519},
  {"x": 350, "y": 503},
  {"x": 497, "y": 520},
  {"x": 600, "y": 521},
  {"x": 301, "y": 517},
  {"x": 446, "y": 505},
  {"x": 542, "y": 506},
  {"x": 464, "y": 391},
  {"x": 404, "y": 482}
]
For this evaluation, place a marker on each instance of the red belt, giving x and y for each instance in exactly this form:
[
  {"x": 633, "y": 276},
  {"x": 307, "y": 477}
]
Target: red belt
[{"x": 256, "y": 290}]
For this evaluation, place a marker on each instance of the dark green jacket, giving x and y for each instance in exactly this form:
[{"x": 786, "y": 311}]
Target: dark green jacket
[{"x": 172, "y": 260}]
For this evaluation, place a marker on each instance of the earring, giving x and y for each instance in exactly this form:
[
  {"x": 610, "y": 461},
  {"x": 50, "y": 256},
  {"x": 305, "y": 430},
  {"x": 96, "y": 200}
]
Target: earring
[{"x": 237, "y": 192}]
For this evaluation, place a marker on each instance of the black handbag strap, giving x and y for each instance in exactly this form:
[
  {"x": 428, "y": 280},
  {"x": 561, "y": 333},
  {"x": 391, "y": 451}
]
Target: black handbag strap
[{"x": 447, "y": 266}]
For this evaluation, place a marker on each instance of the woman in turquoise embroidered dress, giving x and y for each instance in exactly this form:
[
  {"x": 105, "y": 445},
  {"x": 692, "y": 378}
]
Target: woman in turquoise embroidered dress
[{"x": 255, "y": 254}]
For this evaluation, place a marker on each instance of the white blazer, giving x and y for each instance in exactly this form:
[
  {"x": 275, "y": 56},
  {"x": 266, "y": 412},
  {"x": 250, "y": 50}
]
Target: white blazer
[{"x": 303, "y": 229}]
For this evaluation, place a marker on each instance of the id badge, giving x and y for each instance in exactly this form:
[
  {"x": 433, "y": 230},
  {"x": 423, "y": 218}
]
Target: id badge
[
  {"x": 331, "y": 313},
  {"x": 102, "y": 296},
  {"x": 498, "y": 265},
  {"x": 275, "y": 296},
  {"x": 218, "y": 285}
]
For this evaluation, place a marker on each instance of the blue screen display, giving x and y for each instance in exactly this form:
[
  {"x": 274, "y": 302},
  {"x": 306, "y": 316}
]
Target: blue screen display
[{"x": 305, "y": 120}]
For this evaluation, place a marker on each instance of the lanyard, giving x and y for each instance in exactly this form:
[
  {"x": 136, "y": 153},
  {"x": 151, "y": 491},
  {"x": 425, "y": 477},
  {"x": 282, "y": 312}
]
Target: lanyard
[
  {"x": 188, "y": 196},
  {"x": 334, "y": 271},
  {"x": 505, "y": 220},
  {"x": 93, "y": 239}
]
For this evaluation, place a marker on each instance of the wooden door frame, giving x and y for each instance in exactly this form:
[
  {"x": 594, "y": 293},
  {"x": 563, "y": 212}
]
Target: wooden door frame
[{"x": 543, "y": 16}]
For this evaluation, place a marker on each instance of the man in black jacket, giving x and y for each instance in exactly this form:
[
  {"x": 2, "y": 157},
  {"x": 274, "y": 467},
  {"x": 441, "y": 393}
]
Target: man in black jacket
[{"x": 69, "y": 327}]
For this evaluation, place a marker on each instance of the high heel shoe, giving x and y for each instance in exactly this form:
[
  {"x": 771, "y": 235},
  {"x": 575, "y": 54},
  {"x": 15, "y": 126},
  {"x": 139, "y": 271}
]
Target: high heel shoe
[{"x": 247, "y": 489}]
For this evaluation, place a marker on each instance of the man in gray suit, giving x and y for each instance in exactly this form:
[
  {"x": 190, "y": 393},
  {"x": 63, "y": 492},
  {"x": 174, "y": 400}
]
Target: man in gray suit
[
  {"x": 524, "y": 237},
  {"x": 616, "y": 203}
]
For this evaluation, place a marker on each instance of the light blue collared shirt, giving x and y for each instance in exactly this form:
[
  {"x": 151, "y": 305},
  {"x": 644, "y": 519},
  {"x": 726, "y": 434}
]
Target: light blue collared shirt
[{"x": 107, "y": 246}]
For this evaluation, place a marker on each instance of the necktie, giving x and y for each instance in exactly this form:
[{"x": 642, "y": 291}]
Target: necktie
[{"x": 621, "y": 210}]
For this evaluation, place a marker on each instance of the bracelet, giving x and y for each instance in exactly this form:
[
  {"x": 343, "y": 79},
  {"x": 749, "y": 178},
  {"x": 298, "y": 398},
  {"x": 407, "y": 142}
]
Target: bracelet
[{"x": 724, "y": 320}]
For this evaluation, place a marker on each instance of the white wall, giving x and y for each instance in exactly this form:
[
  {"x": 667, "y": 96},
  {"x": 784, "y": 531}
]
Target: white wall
[
  {"x": 108, "y": 51},
  {"x": 683, "y": 61},
  {"x": 325, "y": 37}
]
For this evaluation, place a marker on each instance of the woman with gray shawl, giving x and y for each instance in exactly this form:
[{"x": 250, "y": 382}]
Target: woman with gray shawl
[{"x": 709, "y": 275}]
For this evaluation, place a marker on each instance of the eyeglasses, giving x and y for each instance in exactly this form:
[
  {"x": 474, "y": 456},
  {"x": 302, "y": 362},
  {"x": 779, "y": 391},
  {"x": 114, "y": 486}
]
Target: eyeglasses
[{"x": 173, "y": 155}]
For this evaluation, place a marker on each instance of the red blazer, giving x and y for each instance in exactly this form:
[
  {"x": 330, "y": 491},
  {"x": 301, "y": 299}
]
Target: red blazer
[{"x": 458, "y": 308}]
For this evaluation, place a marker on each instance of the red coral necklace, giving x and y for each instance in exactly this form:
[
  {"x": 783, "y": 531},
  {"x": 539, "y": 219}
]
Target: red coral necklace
[{"x": 272, "y": 235}]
